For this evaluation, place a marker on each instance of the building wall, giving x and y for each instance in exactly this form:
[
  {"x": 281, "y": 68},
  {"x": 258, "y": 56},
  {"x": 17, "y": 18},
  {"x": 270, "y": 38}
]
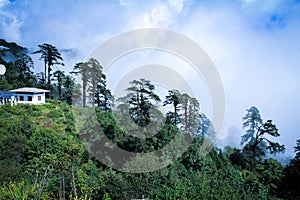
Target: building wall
[{"x": 35, "y": 98}]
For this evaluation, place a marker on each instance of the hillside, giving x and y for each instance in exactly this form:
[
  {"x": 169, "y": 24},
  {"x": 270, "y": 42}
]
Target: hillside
[{"x": 42, "y": 156}]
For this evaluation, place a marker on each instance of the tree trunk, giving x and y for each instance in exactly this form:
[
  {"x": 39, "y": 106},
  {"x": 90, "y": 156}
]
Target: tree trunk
[
  {"x": 59, "y": 90},
  {"x": 73, "y": 181},
  {"x": 83, "y": 94},
  {"x": 42, "y": 183},
  {"x": 185, "y": 118},
  {"x": 105, "y": 102},
  {"x": 45, "y": 71},
  {"x": 94, "y": 86},
  {"x": 60, "y": 187},
  {"x": 49, "y": 76},
  {"x": 175, "y": 113},
  {"x": 62, "y": 191}
]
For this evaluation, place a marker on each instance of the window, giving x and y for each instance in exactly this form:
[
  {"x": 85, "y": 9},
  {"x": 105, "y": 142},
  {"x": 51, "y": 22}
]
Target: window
[
  {"x": 39, "y": 98},
  {"x": 21, "y": 98},
  {"x": 29, "y": 98}
]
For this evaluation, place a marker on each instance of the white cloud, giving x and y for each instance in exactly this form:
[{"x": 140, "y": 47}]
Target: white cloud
[
  {"x": 161, "y": 14},
  {"x": 123, "y": 2},
  {"x": 11, "y": 30},
  {"x": 10, "y": 23},
  {"x": 3, "y": 3},
  {"x": 177, "y": 5},
  {"x": 158, "y": 16}
]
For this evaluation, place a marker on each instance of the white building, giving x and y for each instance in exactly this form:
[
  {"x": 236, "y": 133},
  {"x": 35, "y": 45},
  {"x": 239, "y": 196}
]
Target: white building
[{"x": 30, "y": 95}]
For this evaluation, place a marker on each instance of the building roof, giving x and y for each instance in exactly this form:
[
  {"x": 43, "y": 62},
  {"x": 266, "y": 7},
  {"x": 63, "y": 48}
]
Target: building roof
[
  {"x": 6, "y": 95},
  {"x": 29, "y": 90}
]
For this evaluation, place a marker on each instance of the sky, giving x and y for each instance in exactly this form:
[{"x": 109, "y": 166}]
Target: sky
[{"x": 254, "y": 44}]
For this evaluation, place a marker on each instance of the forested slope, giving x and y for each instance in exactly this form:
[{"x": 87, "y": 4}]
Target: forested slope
[{"x": 43, "y": 157}]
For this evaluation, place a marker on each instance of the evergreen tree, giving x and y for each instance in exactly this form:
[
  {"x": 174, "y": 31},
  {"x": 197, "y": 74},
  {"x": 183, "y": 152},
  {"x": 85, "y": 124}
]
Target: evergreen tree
[
  {"x": 41, "y": 79},
  {"x": 59, "y": 77},
  {"x": 82, "y": 69},
  {"x": 206, "y": 128},
  {"x": 190, "y": 114},
  {"x": 95, "y": 74},
  {"x": 141, "y": 99},
  {"x": 103, "y": 96},
  {"x": 51, "y": 56},
  {"x": 256, "y": 131},
  {"x": 297, "y": 149},
  {"x": 174, "y": 99},
  {"x": 24, "y": 65},
  {"x": 71, "y": 92}
]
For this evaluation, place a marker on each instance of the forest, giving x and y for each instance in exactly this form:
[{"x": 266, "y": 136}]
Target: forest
[{"x": 50, "y": 151}]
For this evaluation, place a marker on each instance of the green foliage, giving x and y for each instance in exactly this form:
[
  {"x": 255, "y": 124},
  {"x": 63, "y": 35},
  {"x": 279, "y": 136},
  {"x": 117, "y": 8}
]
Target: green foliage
[
  {"x": 106, "y": 197},
  {"x": 20, "y": 191},
  {"x": 34, "y": 144},
  {"x": 88, "y": 180},
  {"x": 11, "y": 170},
  {"x": 227, "y": 183},
  {"x": 290, "y": 182},
  {"x": 270, "y": 173},
  {"x": 43, "y": 147},
  {"x": 253, "y": 187}
]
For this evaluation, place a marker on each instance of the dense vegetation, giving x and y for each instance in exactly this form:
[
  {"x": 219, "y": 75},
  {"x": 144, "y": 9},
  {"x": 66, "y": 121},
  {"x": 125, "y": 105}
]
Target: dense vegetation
[{"x": 43, "y": 156}]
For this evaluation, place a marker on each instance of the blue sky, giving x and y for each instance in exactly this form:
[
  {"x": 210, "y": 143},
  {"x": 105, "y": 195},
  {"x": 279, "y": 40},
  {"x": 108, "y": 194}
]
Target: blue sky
[{"x": 254, "y": 44}]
